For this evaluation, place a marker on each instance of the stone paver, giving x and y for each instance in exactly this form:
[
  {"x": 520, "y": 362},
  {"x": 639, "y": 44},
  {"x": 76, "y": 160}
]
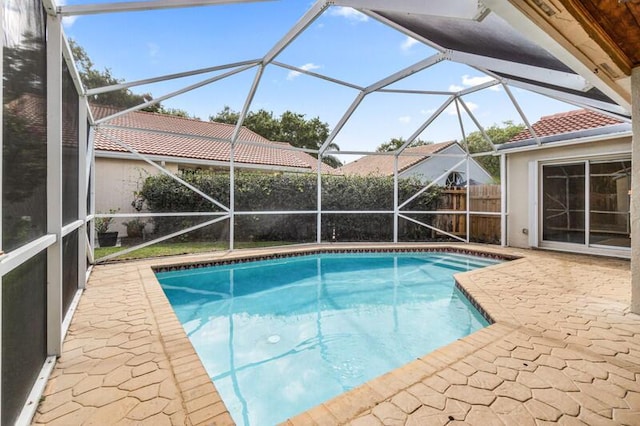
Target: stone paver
[{"x": 563, "y": 348}]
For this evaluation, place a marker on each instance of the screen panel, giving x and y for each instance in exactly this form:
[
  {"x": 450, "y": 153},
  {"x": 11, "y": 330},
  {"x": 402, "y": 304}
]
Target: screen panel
[
  {"x": 24, "y": 337},
  {"x": 24, "y": 168}
]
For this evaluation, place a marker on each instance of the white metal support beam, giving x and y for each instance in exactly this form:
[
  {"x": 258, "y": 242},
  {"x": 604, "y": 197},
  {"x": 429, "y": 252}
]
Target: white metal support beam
[
  {"x": 54, "y": 184},
  {"x": 396, "y": 208},
  {"x": 163, "y": 238},
  {"x": 467, "y": 176},
  {"x": 176, "y": 93},
  {"x": 317, "y": 75},
  {"x": 49, "y": 7},
  {"x": 307, "y": 19},
  {"x": 115, "y": 87},
  {"x": 343, "y": 120},
  {"x": 478, "y": 87},
  {"x": 232, "y": 153},
  {"x": 503, "y": 200},
  {"x": 82, "y": 192},
  {"x": 433, "y": 228},
  {"x": 404, "y": 73},
  {"x": 432, "y": 183},
  {"x": 136, "y": 6},
  {"x": 319, "y": 201},
  {"x": 71, "y": 65},
  {"x": 426, "y": 124},
  {"x": 516, "y": 105},
  {"x": 165, "y": 171},
  {"x": 477, "y": 123},
  {"x": 530, "y": 72},
  {"x": 247, "y": 104},
  {"x": 91, "y": 185}
]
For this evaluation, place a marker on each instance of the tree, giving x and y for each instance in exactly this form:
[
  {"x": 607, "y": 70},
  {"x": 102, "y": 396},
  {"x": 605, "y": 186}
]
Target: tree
[
  {"x": 396, "y": 143},
  {"x": 177, "y": 112},
  {"x": 125, "y": 98},
  {"x": 498, "y": 135},
  {"x": 290, "y": 127},
  {"x": 93, "y": 78}
]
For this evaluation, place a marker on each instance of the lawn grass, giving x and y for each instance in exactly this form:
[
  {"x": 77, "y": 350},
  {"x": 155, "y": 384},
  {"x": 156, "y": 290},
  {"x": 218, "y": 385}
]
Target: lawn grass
[{"x": 172, "y": 249}]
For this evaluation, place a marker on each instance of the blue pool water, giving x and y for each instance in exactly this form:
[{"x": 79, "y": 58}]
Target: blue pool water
[{"x": 278, "y": 337}]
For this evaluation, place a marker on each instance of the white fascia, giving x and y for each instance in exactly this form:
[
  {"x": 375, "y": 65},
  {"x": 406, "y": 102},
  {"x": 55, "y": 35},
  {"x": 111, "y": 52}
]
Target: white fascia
[
  {"x": 518, "y": 20},
  {"x": 578, "y": 141}
]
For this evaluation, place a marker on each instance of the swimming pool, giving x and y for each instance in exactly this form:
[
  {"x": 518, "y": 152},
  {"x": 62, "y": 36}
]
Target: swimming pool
[{"x": 278, "y": 337}]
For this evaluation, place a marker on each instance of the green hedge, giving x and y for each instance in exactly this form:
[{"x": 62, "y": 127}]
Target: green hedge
[{"x": 272, "y": 192}]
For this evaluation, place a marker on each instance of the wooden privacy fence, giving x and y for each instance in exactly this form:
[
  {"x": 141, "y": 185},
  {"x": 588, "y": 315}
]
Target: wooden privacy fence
[{"x": 482, "y": 198}]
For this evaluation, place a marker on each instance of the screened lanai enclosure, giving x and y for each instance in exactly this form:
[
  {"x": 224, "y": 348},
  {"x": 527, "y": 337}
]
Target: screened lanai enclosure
[{"x": 75, "y": 168}]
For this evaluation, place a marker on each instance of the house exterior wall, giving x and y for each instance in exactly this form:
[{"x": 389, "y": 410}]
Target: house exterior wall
[
  {"x": 519, "y": 186},
  {"x": 433, "y": 167},
  {"x": 117, "y": 180}
]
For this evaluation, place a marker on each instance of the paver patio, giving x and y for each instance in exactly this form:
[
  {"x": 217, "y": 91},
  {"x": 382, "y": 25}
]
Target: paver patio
[{"x": 564, "y": 348}]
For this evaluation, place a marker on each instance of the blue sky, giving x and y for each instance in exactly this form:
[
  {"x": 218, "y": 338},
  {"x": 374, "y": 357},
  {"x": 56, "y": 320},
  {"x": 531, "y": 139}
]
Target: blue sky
[{"x": 342, "y": 44}]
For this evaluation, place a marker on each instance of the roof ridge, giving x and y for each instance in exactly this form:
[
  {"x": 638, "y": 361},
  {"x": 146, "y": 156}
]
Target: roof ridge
[
  {"x": 196, "y": 120},
  {"x": 566, "y": 114}
]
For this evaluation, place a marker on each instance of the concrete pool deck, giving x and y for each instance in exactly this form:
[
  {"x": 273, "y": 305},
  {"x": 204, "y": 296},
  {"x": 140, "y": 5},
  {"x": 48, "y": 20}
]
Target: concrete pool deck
[{"x": 564, "y": 348}]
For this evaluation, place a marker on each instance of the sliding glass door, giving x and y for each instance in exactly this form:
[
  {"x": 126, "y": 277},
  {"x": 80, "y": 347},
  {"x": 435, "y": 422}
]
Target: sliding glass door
[
  {"x": 586, "y": 203},
  {"x": 609, "y": 218},
  {"x": 563, "y": 203}
]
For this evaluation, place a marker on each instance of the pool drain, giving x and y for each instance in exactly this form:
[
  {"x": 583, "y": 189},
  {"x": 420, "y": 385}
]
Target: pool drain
[{"x": 273, "y": 339}]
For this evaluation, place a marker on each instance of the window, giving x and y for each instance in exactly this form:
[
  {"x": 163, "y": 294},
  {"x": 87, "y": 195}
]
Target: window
[{"x": 454, "y": 179}]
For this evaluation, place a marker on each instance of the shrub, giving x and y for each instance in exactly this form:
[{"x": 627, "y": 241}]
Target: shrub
[{"x": 278, "y": 191}]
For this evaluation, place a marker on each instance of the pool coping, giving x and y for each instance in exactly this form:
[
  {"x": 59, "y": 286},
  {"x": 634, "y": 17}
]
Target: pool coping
[{"x": 171, "y": 328}]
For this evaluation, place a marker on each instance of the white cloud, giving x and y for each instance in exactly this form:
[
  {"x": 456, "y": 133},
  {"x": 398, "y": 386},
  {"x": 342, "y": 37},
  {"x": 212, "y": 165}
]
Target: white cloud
[
  {"x": 455, "y": 88},
  {"x": 348, "y": 13},
  {"x": 153, "y": 49},
  {"x": 67, "y": 21},
  {"x": 451, "y": 109},
  {"x": 408, "y": 43},
  {"x": 427, "y": 111},
  {"x": 404, "y": 119},
  {"x": 470, "y": 81},
  {"x": 307, "y": 67}
]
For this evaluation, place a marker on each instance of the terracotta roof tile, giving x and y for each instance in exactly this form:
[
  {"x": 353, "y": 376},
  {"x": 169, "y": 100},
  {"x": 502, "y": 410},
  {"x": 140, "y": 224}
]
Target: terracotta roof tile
[
  {"x": 190, "y": 144},
  {"x": 566, "y": 122},
  {"x": 382, "y": 165}
]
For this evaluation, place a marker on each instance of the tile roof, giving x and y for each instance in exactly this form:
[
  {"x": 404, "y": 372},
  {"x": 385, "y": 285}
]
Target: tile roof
[
  {"x": 191, "y": 142},
  {"x": 383, "y": 164},
  {"x": 32, "y": 108},
  {"x": 566, "y": 122}
]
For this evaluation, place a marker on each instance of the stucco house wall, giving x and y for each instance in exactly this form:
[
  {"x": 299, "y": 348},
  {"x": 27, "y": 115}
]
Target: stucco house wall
[
  {"x": 520, "y": 186},
  {"x": 116, "y": 181},
  {"x": 436, "y": 165}
]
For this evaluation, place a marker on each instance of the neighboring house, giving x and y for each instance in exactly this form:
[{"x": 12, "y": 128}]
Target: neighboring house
[
  {"x": 569, "y": 190},
  {"x": 177, "y": 144},
  {"x": 433, "y": 162}
]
